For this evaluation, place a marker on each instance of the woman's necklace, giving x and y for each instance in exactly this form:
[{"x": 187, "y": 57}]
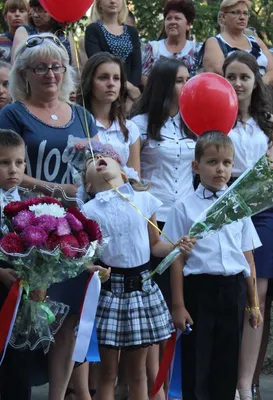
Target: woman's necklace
[{"x": 53, "y": 116}]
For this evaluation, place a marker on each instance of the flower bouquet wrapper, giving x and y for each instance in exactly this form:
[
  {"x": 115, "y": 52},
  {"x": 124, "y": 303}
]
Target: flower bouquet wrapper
[
  {"x": 46, "y": 248},
  {"x": 250, "y": 194}
]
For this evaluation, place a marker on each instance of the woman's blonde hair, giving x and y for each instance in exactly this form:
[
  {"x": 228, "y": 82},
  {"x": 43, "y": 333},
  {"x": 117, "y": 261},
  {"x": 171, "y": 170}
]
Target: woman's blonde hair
[
  {"x": 25, "y": 57},
  {"x": 226, "y": 4},
  {"x": 96, "y": 13}
]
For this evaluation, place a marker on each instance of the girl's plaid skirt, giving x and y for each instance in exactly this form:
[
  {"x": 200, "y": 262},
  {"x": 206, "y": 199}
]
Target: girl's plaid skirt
[{"x": 135, "y": 319}]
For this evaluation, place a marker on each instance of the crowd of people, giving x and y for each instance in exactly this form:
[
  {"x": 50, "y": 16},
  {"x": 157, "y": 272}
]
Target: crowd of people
[{"x": 124, "y": 95}]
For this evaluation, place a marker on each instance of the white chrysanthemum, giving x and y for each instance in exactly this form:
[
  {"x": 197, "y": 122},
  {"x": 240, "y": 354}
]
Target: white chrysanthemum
[{"x": 48, "y": 209}]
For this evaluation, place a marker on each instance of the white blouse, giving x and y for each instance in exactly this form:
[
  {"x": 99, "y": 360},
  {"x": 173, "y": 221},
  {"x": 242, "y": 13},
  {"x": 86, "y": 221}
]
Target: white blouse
[
  {"x": 114, "y": 136},
  {"x": 167, "y": 164},
  {"x": 217, "y": 254},
  {"x": 250, "y": 144},
  {"x": 128, "y": 243}
]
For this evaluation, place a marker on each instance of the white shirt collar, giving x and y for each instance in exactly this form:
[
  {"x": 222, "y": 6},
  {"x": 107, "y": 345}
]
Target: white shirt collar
[
  {"x": 176, "y": 120},
  {"x": 4, "y": 195},
  {"x": 105, "y": 196},
  {"x": 114, "y": 126},
  {"x": 205, "y": 193}
]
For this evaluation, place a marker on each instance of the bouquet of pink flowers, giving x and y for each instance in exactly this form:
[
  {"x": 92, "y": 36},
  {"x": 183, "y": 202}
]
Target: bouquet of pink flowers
[{"x": 45, "y": 244}]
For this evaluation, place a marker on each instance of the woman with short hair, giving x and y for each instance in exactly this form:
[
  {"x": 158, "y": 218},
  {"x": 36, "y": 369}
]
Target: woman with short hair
[
  {"x": 41, "y": 81},
  {"x": 178, "y": 18},
  {"x": 234, "y": 16}
]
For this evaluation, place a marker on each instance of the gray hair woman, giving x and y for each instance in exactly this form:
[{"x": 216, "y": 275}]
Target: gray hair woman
[{"x": 40, "y": 83}]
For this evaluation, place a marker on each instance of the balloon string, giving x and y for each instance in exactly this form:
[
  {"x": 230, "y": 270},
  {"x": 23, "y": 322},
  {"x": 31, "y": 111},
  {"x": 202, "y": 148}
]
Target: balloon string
[{"x": 87, "y": 131}]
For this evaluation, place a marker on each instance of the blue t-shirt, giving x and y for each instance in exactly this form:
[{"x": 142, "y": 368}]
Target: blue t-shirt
[{"x": 45, "y": 144}]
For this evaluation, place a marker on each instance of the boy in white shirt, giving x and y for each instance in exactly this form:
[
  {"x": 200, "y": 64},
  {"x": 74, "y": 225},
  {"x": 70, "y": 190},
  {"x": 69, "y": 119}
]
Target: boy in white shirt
[
  {"x": 14, "y": 383},
  {"x": 210, "y": 287}
]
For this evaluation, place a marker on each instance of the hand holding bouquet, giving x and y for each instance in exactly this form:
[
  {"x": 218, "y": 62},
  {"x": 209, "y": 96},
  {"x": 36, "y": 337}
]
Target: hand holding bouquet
[{"x": 45, "y": 244}]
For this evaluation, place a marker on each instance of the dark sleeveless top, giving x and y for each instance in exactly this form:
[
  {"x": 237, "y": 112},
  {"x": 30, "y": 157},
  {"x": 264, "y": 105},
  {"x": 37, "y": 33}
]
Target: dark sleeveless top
[{"x": 256, "y": 51}]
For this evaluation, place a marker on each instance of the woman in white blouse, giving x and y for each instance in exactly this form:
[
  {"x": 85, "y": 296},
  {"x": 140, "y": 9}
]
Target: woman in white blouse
[
  {"x": 103, "y": 91},
  {"x": 252, "y": 138},
  {"x": 167, "y": 150}
]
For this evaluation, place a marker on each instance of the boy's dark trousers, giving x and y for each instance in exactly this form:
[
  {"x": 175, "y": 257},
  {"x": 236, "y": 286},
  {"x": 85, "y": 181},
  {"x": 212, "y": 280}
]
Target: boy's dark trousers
[
  {"x": 210, "y": 352},
  {"x": 14, "y": 383}
]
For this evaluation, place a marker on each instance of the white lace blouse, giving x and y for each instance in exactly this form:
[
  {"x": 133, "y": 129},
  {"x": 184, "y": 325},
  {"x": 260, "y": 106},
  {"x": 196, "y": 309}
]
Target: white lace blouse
[{"x": 127, "y": 231}]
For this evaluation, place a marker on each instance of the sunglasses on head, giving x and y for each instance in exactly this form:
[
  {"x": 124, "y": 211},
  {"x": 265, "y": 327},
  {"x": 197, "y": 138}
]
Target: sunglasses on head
[{"x": 37, "y": 40}]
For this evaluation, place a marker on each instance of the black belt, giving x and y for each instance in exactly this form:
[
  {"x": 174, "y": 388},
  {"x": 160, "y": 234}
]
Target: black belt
[{"x": 132, "y": 277}]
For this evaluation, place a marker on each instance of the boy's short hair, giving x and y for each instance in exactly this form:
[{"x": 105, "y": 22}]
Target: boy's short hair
[
  {"x": 211, "y": 138},
  {"x": 9, "y": 138}
]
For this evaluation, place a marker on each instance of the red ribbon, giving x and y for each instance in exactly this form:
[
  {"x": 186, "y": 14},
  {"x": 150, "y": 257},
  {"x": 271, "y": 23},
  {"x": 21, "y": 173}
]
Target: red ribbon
[
  {"x": 165, "y": 364},
  {"x": 6, "y": 314}
]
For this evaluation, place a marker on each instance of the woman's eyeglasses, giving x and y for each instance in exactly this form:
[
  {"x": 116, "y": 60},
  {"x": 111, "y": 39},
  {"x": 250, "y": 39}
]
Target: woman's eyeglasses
[
  {"x": 43, "y": 69},
  {"x": 238, "y": 13}
]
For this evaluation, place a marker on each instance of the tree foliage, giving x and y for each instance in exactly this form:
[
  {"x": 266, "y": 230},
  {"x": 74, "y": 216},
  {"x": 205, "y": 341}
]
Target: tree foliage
[
  {"x": 3, "y": 25},
  {"x": 149, "y": 18}
]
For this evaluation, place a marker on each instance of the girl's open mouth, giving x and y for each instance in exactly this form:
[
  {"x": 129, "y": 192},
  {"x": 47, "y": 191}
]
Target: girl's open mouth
[{"x": 101, "y": 164}]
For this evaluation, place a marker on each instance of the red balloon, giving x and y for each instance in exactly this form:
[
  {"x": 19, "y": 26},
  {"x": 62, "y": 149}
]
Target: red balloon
[
  {"x": 66, "y": 11},
  {"x": 208, "y": 102}
]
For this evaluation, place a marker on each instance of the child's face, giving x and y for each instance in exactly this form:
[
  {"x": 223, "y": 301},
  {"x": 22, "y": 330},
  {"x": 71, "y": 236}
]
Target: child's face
[
  {"x": 215, "y": 167},
  {"x": 12, "y": 166},
  {"x": 100, "y": 169},
  {"x": 5, "y": 97}
]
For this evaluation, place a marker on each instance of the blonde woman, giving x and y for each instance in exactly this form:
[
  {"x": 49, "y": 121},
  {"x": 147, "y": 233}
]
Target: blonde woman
[
  {"x": 234, "y": 16},
  {"x": 108, "y": 32}
]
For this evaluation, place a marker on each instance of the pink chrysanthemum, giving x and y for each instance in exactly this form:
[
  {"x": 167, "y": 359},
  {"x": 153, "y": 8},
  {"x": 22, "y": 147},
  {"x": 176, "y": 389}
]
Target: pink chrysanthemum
[
  {"x": 12, "y": 243},
  {"x": 34, "y": 236},
  {"x": 74, "y": 223},
  {"x": 14, "y": 208},
  {"x": 62, "y": 227},
  {"x": 23, "y": 219},
  {"x": 69, "y": 246},
  {"x": 47, "y": 222}
]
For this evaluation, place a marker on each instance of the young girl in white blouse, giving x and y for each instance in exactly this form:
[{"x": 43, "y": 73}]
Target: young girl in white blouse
[
  {"x": 103, "y": 84},
  {"x": 131, "y": 314},
  {"x": 252, "y": 138}
]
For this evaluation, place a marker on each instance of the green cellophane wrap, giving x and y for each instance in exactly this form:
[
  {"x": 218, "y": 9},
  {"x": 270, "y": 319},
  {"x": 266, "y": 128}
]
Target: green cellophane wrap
[{"x": 39, "y": 318}]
